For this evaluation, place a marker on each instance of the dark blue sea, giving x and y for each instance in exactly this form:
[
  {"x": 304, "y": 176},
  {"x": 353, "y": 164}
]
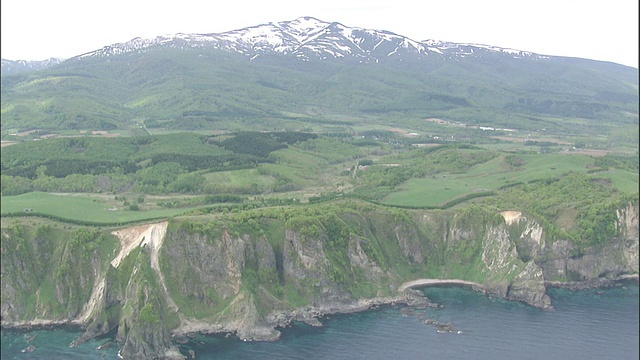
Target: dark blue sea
[{"x": 591, "y": 324}]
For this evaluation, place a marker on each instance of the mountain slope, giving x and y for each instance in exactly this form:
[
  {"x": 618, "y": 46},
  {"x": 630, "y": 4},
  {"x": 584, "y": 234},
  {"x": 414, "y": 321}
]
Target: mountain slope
[
  {"x": 295, "y": 74},
  {"x": 19, "y": 66}
]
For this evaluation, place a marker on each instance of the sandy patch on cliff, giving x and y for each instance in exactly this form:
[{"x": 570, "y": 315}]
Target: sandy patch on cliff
[
  {"x": 96, "y": 295},
  {"x": 511, "y": 216},
  {"x": 152, "y": 236},
  {"x": 132, "y": 237}
]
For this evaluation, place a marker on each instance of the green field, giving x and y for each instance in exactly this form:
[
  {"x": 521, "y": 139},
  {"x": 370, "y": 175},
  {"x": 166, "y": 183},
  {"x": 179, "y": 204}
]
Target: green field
[
  {"x": 152, "y": 175},
  {"x": 239, "y": 181},
  {"x": 625, "y": 181},
  {"x": 436, "y": 190},
  {"x": 78, "y": 208}
]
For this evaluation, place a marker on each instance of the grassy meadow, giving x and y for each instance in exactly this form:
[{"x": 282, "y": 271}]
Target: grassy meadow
[
  {"x": 441, "y": 188},
  {"x": 78, "y": 208},
  {"x": 118, "y": 180}
]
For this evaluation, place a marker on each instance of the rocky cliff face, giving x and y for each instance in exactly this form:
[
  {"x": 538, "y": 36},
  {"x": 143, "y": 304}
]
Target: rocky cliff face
[
  {"x": 46, "y": 278},
  {"x": 628, "y": 225},
  {"x": 161, "y": 281},
  {"x": 564, "y": 262}
]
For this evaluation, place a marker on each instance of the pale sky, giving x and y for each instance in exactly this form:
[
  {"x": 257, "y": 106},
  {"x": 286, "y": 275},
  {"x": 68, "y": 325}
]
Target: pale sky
[{"x": 594, "y": 29}]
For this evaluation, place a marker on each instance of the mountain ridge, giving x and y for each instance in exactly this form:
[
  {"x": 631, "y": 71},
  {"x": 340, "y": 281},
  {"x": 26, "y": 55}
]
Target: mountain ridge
[
  {"x": 304, "y": 38},
  {"x": 17, "y": 66},
  {"x": 308, "y": 37}
]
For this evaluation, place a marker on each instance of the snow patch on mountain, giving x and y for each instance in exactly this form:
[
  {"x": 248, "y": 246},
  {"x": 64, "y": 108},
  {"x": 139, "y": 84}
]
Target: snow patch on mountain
[
  {"x": 19, "y": 66},
  {"x": 307, "y": 38}
]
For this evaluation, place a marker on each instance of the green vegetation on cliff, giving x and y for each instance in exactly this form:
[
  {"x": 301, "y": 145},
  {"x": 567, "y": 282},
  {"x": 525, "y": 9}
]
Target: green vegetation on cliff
[
  {"x": 241, "y": 270},
  {"x": 48, "y": 272}
]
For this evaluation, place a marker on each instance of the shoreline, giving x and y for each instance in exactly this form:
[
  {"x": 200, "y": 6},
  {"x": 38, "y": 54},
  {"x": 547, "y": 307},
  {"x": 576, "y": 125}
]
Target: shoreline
[
  {"x": 40, "y": 324},
  {"x": 584, "y": 285},
  {"x": 309, "y": 315},
  {"x": 409, "y": 296},
  {"x": 437, "y": 282}
]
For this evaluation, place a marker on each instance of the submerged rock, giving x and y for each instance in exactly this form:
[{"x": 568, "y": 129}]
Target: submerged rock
[
  {"x": 106, "y": 345},
  {"x": 441, "y": 327},
  {"x": 29, "y": 349}
]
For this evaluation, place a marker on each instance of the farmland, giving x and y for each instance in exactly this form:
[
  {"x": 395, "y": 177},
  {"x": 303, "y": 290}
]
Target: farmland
[
  {"x": 79, "y": 208},
  {"x": 437, "y": 190},
  {"x": 126, "y": 179}
]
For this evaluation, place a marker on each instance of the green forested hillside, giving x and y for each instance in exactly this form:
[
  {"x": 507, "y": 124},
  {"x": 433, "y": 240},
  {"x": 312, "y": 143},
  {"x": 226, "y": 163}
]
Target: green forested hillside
[{"x": 203, "y": 89}]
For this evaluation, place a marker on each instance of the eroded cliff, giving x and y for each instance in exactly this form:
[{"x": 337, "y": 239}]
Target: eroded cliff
[{"x": 252, "y": 272}]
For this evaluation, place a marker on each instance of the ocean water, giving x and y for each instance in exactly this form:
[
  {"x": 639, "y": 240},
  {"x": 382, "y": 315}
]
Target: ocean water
[{"x": 590, "y": 324}]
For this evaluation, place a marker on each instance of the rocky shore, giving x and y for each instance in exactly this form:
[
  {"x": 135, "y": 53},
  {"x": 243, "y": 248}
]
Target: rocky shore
[
  {"x": 311, "y": 315},
  {"x": 37, "y": 324},
  {"x": 590, "y": 284},
  {"x": 250, "y": 286}
]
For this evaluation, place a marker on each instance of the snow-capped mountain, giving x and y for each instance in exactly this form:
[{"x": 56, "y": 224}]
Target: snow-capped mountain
[
  {"x": 308, "y": 38},
  {"x": 17, "y": 66},
  {"x": 187, "y": 81}
]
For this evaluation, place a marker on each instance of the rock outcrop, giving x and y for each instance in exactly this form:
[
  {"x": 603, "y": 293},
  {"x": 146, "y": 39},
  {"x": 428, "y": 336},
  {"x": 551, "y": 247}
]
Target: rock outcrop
[
  {"x": 165, "y": 280},
  {"x": 564, "y": 261}
]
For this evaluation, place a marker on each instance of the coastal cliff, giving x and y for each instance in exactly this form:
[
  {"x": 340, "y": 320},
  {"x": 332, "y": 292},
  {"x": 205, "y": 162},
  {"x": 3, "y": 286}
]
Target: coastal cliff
[{"x": 251, "y": 272}]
